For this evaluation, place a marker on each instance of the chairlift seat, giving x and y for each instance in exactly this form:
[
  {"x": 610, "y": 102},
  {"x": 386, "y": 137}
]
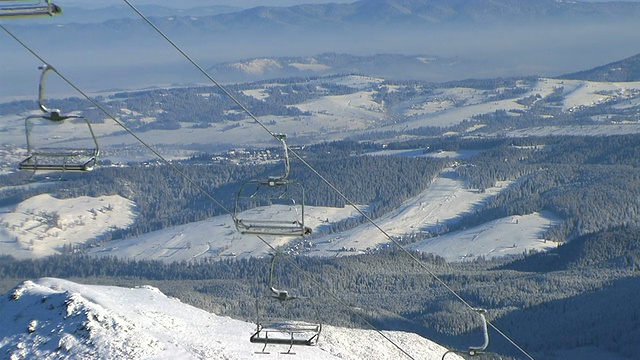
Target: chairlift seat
[
  {"x": 32, "y": 163},
  {"x": 287, "y": 222},
  {"x": 44, "y": 155},
  {"x": 289, "y": 333},
  {"x": 271, "y": 227},
  {"x": 28, "y": 8}
]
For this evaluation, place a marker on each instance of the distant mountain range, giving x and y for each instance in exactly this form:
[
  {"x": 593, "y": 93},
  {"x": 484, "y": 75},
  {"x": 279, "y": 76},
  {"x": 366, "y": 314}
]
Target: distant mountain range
[
  {"x": 389, "y": 66},
  {"x": 427, "y": 12},
  {"x": 112, "y": 47},
  {"x": 405, "y": 13},
  {"x": 619, "y": 71}
]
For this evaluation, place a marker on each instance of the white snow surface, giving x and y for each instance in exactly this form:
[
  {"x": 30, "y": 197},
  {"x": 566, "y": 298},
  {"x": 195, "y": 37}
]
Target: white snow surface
[
  {"x": 334, "y": 116},
  {"x": 57, "y": 319},
  {"x": 41, "y": 225},
  {"x": 513, "y": 235},
  {"x": 444, "y": 201},
  {"x": 216, "y": 237},
  {"x": 257, "y": 66}
]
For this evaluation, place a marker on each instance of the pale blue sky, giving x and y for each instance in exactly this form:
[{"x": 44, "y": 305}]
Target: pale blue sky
[
  {"x": 195, "y": 3},
  {"x": 235, "y": 3}
]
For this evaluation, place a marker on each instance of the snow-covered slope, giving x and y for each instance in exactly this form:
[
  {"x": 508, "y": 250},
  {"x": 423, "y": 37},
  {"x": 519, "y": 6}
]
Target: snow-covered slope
[
  {"x": 42, "y": 225},
  {"x": 58, "y": 319},
  {"x": 513, "y": 235},
  {"x": 214, "y": 238}
]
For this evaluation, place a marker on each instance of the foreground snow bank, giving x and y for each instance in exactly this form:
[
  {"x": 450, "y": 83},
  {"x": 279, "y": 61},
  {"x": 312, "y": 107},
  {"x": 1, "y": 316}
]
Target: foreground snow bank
[{"x": 58, "y": 319}]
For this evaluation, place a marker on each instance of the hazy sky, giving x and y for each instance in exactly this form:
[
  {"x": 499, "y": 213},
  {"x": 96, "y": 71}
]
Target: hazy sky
[
  {"x": 196, "y": 3},
  {"x": 185, "y": 4}
]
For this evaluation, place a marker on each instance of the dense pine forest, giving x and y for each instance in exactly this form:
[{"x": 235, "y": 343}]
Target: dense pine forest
[
  {"x": 580, "y": 295},
  {"x": 588, "y": 284}
]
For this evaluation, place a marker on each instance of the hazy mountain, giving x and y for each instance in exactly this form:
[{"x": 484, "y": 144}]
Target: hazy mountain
[
  {"x": 426, "y": 12},
  {"x": 623, "y": 70},
  {"x": 486, "y": 39},
  {"x": 390, "y": 66},
  {"x": 365, "y": 13}
]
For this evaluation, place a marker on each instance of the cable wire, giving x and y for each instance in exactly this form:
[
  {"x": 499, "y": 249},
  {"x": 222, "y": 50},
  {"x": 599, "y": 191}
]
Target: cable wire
[
  {"x": 310, "y": 167},
  {"x": 200, "y": 188}
]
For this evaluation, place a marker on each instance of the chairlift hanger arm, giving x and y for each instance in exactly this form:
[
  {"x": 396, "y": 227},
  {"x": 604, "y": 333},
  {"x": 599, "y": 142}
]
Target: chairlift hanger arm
[
  {"x": 282, "y": 179},
  {"x": 479, "y": 349},
  {"x": 475, "y": 350},
  {"x": 52, "y": 114}
]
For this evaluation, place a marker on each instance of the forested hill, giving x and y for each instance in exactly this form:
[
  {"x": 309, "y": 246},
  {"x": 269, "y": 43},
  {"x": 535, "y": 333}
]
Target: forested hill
[
  {"x": 591, "y": 183},
  {"x": 619, "y": 71}
]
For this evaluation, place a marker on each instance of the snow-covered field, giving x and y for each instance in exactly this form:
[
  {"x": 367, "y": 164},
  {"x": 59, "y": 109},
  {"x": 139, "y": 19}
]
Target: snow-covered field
[
  {"x": 442, "y": 203},
  {"x": 216, "y": 237},
  {"x": 42, "y": 225},
  {"x": 334, "y": 117},
  {"x": 513, "y": 235},
  {"x": 58, "y": 319}
]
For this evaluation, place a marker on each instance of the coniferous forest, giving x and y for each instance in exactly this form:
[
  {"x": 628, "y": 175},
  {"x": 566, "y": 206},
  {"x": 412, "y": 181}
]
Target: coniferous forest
[{"x": 590, "y": 283}]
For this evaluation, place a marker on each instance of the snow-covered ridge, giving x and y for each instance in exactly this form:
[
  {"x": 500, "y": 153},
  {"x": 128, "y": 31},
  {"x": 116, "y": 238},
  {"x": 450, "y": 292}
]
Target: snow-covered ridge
[{"x": 58, "y": 319}]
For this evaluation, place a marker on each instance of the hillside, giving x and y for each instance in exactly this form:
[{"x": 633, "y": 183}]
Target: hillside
[
  {"x": 543, "y": 170},
  {"x": 43, "y": 225},
  {"x": 388, "y": 66},
  {"x": 57, "y": 319},
  {"x": 623, "y": 70}
]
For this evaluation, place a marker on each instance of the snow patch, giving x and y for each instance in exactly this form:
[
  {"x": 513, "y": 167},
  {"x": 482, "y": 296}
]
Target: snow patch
[
  {"x": 42, "y": 225},
  {"x": 257, "y": 66}
]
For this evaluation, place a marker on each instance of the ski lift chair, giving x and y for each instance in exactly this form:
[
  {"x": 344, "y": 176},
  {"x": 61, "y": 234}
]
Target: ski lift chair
[
  {"x": 28, "y": 8},
  {"x": 475, "y": 350},
  {"x": 49, "y": 136},
  {"x": 284, "y": 332},
  {"x": 275, "y": 192}
]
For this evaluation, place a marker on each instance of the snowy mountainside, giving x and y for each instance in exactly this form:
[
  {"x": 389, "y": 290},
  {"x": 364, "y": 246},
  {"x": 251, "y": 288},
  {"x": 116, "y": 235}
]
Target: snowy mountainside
[
  {"x": 42, "y": 225},
  {"x": 393, "y": 66},
  {"x": 58, "y": 319}
]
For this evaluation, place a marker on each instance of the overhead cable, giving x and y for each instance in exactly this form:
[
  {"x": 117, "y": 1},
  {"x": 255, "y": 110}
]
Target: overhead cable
[{"x": 312, "y": 169}]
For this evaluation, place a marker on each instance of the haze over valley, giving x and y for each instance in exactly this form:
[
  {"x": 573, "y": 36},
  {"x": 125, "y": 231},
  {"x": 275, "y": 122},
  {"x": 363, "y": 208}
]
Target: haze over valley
[{"x": 471, "y": 39}]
